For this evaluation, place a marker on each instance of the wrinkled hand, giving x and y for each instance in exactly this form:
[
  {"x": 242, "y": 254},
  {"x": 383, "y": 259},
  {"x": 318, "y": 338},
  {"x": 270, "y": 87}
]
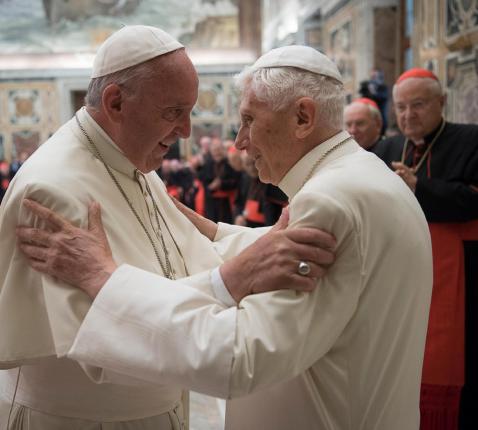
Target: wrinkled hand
[
  {"x": 406, "y": 173},
  {"x": 272, "y": 261},
  {"x": 74, "y": 255},
  {"x": 207, "y": 227},
  {"x": 240, "y": 220}
]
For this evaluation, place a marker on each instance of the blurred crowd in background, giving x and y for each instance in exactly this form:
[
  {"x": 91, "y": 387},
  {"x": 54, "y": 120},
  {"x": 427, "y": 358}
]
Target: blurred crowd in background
[{"x": 222, "y": 184}]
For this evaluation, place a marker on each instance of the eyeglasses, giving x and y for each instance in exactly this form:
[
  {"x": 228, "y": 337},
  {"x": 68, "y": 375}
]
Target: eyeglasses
[{"x": 414, "y": 106}]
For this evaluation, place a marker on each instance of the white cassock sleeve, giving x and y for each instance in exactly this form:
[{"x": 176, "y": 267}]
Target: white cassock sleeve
[
  {"x": 39, "y": 316},
  {"x": 165, "y": 331},
  {"x": 231, "y": 239}
]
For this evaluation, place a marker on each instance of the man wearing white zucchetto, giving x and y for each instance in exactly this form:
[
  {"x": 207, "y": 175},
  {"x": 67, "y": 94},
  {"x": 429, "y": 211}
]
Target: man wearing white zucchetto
[
  {"x": 138, "y": 103},
  {"x": 346, "y": 356}
]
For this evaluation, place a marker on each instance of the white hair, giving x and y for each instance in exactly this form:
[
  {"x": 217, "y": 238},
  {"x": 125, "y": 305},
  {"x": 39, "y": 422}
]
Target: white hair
[
  {"x": 433, "y": 85},
  {"x": 374, "y": 112},
  {"x": 280, "y": 86},
  {"x": 131, "y": 79}
]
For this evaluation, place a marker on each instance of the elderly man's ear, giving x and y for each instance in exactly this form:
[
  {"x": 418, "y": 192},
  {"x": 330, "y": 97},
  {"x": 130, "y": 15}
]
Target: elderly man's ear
[
  {"x": 305, "y": 112},
  {"x": 112, "y": 100}
]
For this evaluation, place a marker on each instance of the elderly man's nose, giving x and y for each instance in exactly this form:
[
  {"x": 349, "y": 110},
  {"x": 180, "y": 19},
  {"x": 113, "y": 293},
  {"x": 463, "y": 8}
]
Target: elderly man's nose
[{"x": 185, "y": 127}]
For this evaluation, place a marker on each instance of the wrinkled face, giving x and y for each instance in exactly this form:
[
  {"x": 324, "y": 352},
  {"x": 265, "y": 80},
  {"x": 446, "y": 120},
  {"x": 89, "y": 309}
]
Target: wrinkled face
[
  {"x": 249, "y": 166},
  {"x": 218, "y": 151},
  {"x": 159, "y": 112},
  {"x": 362, "y": 124},
  {"x": 266, "y": 136},
  {"x": 418, "y": 107},
  {"x": 204, "y": 144}
]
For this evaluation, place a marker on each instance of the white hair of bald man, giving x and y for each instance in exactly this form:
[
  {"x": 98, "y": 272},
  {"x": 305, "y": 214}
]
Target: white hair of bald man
[
  {"x": 434, "y": 86},
  {"x": 280, "y": 86},
  {"x": 374, "y": 112},
  {"x": 130, "y": 79}
]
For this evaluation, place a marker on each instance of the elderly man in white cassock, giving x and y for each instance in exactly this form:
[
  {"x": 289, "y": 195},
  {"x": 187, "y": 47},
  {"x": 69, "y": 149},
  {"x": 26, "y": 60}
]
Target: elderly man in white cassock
[
  {"x": 138, "y": 103},
  {"x": 346, "y": 356}
]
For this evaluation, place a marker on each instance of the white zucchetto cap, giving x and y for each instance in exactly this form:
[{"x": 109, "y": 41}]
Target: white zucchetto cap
[
  {"x": 302, "y": 57},
  {"x": 132, "y": 45}
]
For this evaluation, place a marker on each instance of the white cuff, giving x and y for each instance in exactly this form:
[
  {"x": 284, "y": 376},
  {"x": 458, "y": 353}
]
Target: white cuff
[{"x": 220, "y": 290}]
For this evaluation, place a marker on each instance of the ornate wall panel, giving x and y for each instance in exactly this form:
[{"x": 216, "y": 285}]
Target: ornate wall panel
[
  {"x": 452, "y": 55},
  {"x": 29, "y": 114},
  {"x": 341, "y": 46},
  {"x": 461, "y": 18},
  {"x": 430, "y": 25},
  {"x": 462, "y": 87},
  {"x": 210, "y": 103},
  {"x": 215, "y": 113}
]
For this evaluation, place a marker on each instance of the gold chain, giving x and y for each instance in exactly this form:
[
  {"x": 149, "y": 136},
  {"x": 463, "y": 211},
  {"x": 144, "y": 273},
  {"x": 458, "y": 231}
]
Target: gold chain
[
  {"x": 322, "y": 157},
  {"x": 425, "y": 154},
  {"x": 166, "y": 266}
]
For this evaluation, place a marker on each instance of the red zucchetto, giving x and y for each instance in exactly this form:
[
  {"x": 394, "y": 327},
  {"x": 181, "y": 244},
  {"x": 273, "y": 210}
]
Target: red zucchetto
[
  {"x": 416, "y": 72},
  {"x": 366, "y": 101}
]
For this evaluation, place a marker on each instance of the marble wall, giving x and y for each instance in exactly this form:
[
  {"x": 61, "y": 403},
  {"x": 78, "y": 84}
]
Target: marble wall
[
  {"x": 215, "y": 113},
  {"x": 32, "y": 110},
  {"x": 29, "y": 114},
  {"x": 445, "y": 40}
]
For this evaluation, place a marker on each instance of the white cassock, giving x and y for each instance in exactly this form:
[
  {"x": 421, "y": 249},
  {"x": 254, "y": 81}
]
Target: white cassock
[
  {"x": 347, "y": 356},
  {"x": 39, "y": 317}
]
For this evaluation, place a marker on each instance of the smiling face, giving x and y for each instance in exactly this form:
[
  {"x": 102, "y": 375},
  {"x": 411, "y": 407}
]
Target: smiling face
[
  {"x": 158, "y": 113},
  {"x": 267, "y": 137},
  {"x": 418, "y": 104},
  {"x": 362, "y": 124}
]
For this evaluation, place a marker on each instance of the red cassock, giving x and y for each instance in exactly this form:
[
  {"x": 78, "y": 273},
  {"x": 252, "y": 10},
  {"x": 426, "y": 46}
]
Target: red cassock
[
  {"x": 444, "y": 362},
  {"x": 447, "y": 185}
]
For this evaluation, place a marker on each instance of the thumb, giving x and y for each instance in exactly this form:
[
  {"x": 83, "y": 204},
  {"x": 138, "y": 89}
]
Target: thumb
[
  {"x": 283, "y": 220},
  {"x": 94, "y": 219}
]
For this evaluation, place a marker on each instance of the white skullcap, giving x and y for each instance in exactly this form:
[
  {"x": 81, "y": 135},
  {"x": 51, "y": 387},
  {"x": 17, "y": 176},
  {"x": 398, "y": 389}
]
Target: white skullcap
[
  {"x": 302, "y": 57},
  {"x": 132, "y": 45}
]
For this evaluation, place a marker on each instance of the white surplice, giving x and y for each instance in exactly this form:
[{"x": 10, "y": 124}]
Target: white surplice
[
  {"x": 39, "y": 317},
  {"x": 347, "y": 356}
]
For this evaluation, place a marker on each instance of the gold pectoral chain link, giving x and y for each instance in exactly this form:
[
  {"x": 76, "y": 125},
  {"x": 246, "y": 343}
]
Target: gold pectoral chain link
[
  {"x": 428, "y": 150},
  {"x": 156, "y": 212},
  {"x": 322, "y": 157},
  {"x": 166, "y": 266}
]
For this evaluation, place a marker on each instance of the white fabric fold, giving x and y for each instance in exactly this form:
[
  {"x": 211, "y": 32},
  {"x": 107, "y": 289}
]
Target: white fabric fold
[{"x": 346, "y": 356}]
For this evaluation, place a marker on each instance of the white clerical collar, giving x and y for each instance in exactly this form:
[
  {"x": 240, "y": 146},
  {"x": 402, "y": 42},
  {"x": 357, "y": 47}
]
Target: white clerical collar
[
  {"x": 111, "y": 153},
  {"x": 293, "y": 180}
]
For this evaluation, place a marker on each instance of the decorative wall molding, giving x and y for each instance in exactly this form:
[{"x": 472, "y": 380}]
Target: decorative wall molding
[
  {"x": 462, "y": 87},
  {"x": 461, "y": 18}
]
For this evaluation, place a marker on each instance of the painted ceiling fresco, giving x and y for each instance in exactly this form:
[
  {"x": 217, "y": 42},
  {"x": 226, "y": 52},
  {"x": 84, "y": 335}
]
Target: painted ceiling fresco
[{"x": 53, "y": 26}]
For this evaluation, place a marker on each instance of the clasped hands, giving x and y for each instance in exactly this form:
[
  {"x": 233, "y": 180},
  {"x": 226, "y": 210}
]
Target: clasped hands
[
  {"x": 406, "y": 173},
  {"x": 83, "y": 257}
]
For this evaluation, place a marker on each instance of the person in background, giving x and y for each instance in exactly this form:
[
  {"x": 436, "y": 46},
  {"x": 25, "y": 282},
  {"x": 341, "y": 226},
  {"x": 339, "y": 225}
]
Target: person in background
[
  {"x": 4, "y": 177},
  {"x": 204, "y": 148},
  {"x": 234, "y": 158},
  {"x": 17, "y": 163},
  {"x": 438, "y": 160},
  {"x": 376, "y": 89},
  {"x": 250, "y": 198},
  {"x": 220, "y": 181},
  {"x": 364, "y": 122}
]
